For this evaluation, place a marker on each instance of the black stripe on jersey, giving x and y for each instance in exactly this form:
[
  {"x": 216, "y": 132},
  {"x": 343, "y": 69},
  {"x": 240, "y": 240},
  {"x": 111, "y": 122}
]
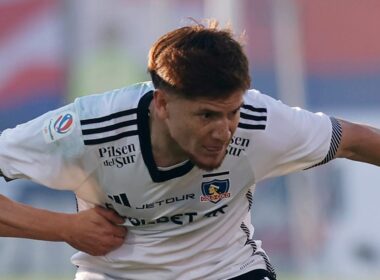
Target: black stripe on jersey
[
  {"x": 253, "y": 118},
  {"x": 252, "y": 126},
  {"x": 250, "y": 199},
  {"x": 253, "y": 244},
  {"x": 108, "y": 128},
  {"x": 336, "y": 137},
  {"x": 109, "y": 117},
  {"x": 100, "y": 139},
  {"x": 268, "y": 264},
  {"x": 249, "y": 240},
  {"x": 216, "y": 174},
  {"x": 254, "y": 109},
  {"x": 110, "y": 138}
]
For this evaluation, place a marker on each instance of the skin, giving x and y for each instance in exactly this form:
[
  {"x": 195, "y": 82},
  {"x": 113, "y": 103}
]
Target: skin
[
  {"x": 199, "y": 129},
  {"x": 94, "y": 231},
  {"x": 360, "y": 143}
]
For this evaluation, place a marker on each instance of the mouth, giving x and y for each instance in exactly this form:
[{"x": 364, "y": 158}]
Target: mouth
[{"x": 214, "y": 149}]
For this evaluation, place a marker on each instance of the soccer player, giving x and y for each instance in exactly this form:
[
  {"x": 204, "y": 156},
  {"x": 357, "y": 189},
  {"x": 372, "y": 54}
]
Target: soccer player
[{"x": 179, "y": 158}]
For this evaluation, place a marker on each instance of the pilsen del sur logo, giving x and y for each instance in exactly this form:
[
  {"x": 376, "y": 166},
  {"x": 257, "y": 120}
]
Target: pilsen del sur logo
[{"x": 215, "y": 190}]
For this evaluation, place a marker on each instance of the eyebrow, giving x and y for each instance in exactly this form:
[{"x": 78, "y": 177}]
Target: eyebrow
[
  {"x": 238, "y": 108},
  {"x": 213, "y": 111},
  {"x": 241, "y": 105}
]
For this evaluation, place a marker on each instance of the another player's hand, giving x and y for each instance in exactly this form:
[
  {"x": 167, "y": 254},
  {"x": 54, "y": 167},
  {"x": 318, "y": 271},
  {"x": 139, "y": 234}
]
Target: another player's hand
[{"x": 95, "y": 231}]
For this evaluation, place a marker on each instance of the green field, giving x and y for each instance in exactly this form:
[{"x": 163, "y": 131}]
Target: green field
[{"x": 281, "y": 277}]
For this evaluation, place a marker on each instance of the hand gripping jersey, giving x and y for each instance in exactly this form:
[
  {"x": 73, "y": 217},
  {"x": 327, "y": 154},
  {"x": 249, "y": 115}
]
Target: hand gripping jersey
[{"x": 183, "y": 222}]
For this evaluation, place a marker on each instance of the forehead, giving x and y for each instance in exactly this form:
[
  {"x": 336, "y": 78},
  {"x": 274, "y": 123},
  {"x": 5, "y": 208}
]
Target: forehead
[{"x": 232, "y": 101}]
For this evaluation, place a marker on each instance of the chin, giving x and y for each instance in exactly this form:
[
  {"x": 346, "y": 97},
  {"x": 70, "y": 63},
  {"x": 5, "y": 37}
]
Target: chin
[{"x": 207, "y": 165}]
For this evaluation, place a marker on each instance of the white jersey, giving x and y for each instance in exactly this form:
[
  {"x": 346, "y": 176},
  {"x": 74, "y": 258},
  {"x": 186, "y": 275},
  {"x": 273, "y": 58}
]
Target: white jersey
[{"x": 183, "y": 222}]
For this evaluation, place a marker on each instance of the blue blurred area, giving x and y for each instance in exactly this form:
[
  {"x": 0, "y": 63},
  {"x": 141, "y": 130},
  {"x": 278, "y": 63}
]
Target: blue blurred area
[
  {"x": 340, "y": 91},
  {"x": 10, "y": 117}
]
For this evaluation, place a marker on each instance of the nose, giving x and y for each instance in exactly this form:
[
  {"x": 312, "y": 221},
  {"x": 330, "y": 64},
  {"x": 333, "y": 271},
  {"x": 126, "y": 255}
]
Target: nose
[{"x": 223, "y": 130}]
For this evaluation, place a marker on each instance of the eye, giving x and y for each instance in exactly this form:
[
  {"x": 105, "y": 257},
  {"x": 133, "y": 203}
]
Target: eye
[
  {"x": 234, "y": 113},
  {"x": 206, "y": 115}
]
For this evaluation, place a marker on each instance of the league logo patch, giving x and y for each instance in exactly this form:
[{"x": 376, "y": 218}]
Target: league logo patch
[
  {"x": 63, "y": 123},
  {"x": 215, "y": 191},
  {"x": 59, "y": 126}
]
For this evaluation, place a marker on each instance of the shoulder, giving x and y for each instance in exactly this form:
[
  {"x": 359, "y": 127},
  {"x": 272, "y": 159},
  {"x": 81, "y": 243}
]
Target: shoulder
[
  {"x": 111, "y": 102},
  {"x": 111, "y": 115},
  {"x": 256, "y": 99},
  {"x": 254, "y": 111}
]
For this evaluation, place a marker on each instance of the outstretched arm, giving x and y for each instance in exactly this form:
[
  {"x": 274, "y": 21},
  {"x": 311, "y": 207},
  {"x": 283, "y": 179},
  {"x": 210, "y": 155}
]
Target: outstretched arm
[
  {"x": 359, "y": 142},
  {"x": 95, "y": 231}
]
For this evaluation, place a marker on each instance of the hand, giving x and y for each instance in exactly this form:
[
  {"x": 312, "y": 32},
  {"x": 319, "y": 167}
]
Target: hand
[{"x": 95, "y": 231}]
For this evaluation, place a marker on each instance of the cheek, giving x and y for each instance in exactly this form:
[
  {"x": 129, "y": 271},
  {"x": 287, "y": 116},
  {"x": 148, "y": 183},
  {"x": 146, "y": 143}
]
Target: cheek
[
  {"x": 181, "y": 129},
  {"x": 190, "y": 135}
]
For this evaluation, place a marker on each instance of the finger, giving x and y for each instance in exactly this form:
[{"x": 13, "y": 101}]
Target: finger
[
  {"x": 110, "y": 215},
  {"x": 120, "y": 232},
  {"x": 117, "y": 241}
]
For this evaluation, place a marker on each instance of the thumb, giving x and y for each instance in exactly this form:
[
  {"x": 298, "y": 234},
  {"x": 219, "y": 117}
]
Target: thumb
[{"x": 110, "y": 215}]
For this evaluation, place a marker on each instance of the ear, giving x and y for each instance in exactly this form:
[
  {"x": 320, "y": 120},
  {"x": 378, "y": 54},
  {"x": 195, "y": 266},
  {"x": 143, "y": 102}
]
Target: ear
[{"x": 160, "y": 102}]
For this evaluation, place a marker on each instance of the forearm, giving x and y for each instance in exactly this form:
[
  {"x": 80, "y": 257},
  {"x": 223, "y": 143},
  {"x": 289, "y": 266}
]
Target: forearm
[
  {"x": 95, "y": 231},
  {"x": 19, "y": 220},
  {"x": 360, "y": 143}
]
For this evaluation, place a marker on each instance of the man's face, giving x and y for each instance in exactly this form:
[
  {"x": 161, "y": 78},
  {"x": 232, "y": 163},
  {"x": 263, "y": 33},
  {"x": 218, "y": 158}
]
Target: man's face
[{"x": 202, "y": 128}]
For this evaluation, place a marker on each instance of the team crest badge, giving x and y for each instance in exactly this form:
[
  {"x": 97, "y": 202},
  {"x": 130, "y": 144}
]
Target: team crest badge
[{"x": 215, "y": 191}]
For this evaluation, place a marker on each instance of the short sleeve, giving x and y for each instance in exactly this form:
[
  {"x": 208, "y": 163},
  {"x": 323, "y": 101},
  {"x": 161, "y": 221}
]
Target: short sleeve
[
  {"x": 48, "y": 150},
  {"x": 293, "y": 139}
]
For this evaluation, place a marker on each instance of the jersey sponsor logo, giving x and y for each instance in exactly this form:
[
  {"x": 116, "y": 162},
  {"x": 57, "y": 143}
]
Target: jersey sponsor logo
[
  {"x": 215, "y": 190},
  {"x": 165, "y": 201},
  {"x": 178, "y": 219},
  {"x": 237, "y": 145},
  {"x": 58, "y": 126},
  {"x": 216, "y": 212},
  {"x": 122, "y": 199},
  {"x": 118, "y": 156}
]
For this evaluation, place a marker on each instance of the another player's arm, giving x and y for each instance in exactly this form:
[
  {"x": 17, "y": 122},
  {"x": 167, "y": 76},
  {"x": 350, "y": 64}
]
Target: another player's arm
[
  {"x": 93, "y": 231},
  {"x": 359, "y": 142}
]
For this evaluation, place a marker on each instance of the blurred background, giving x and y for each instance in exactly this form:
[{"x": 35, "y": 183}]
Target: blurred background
[{"x": 321, "y": 55}]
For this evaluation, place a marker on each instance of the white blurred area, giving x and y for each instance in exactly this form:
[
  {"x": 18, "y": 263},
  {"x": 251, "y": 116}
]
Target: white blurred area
[{"x": 318, "y": 224}]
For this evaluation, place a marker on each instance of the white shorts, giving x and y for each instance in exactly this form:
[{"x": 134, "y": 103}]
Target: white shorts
[{"x": 89, "y": 274}]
